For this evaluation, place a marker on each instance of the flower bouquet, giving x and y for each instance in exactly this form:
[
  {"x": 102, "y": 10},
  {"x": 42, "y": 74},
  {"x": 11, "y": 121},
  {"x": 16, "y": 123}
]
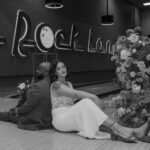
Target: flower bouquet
[
  {"x": 129, "y": 114},
  {"x": 131, "y": 54},
  {"x": 22, "y": 87}
]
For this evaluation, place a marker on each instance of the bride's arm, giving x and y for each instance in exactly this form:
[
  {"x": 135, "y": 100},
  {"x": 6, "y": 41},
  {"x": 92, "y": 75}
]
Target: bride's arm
[{"x": 63, "y": 90}]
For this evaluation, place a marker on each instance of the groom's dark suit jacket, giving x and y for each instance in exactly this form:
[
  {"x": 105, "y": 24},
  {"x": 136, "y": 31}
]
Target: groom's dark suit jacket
[{"x": 35, "y": 112}]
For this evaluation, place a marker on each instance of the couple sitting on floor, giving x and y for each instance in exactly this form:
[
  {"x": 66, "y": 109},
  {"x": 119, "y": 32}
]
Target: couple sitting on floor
[{"x": 46, "y": 105}]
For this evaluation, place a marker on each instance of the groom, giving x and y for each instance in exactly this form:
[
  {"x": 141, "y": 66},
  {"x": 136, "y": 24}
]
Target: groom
[{"x": 34, "y": 113}]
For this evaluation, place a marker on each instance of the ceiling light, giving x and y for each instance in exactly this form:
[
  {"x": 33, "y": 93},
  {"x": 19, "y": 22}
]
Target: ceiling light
[
  {"x": 53, "y": 4},
  {"x": 107, "y": 19},
  {"x": 146, "y": 4}
]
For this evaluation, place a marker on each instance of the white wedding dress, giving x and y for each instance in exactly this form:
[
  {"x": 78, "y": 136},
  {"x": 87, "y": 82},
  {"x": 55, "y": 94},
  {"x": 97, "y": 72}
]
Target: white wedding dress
[{"x": 85, "y": 117}]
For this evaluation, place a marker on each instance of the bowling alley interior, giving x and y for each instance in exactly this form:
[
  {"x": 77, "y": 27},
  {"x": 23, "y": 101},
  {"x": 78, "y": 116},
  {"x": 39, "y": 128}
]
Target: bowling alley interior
[{"x": 75, "y": 74}]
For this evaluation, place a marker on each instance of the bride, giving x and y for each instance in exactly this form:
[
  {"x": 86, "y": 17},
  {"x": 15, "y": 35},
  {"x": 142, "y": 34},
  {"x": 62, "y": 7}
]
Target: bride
[{"x": 85, "y": 116}]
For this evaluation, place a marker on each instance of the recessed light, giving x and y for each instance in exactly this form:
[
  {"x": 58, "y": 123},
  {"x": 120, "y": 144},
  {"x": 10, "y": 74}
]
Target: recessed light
[{"x": 146, "y": 4}]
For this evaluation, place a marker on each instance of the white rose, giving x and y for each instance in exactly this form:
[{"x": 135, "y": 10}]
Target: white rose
[
  {"x": 119, "y": 46},
  {"x": 136, "y": 88},
  {"x": 143, "y": 43},
  {"x": 113, "y": 58},
  {"x": 132, "y": 74},
  {"x": 121, "y": 111},
  {"x": 118, "y": 70},
  {"x": 134, "y": 50},
  {"x": 148, "y": 57},
  {"x": 128, "y": 110},
  {"x": 123, "y": 69},
  {"x": 21, "y": 86},
  {"x": 128, "y": 84},
  {"x": 148, "y": 70},
  {"x": 133, "y": 38},
  {"x": 124, "y": 54},
  {"x": 141, "y": 65}
]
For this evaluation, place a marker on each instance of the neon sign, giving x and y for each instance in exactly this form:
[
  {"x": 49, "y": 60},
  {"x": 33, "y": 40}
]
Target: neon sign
[{"x": 45, "y": 38}]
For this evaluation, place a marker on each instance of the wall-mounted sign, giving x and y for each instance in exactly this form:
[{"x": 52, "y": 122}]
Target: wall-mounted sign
[{"x": 45, "y": 38}]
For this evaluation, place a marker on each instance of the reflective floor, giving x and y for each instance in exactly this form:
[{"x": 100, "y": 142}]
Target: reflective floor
[{"x": 12, "y": 138}]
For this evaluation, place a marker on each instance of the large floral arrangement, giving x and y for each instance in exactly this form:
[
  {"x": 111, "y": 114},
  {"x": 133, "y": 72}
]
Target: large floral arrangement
[{"x": 131, "y": 54}]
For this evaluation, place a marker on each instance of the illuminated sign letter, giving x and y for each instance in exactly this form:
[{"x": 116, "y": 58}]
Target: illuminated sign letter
[
  {"x": 18, "y": 40},
  {"x": 44, "y": 37},
  {"x": 74, "y": 42},
  {"x": 60, "y": 40},
  {"x": 90, "y": 42}
]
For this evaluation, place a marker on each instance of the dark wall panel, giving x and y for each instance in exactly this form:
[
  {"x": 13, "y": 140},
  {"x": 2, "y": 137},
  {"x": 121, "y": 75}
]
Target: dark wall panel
[
  {"x": 145, "y": 16},
  {"x": 137, "y": 17},
  {"x": 84, "y": 14}
]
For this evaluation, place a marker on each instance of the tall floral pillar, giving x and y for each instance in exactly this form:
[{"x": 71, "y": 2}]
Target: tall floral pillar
[{"x": 131, "y": 54}]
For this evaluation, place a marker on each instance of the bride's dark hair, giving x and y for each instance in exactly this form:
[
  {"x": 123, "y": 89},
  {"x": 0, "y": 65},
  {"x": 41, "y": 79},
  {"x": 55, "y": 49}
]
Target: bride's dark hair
[{"x": 53, "y": 75}]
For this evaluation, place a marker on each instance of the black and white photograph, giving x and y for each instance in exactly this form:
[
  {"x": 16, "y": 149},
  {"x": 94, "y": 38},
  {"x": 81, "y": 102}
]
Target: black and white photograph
[{"x": 75, "y": 75}]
